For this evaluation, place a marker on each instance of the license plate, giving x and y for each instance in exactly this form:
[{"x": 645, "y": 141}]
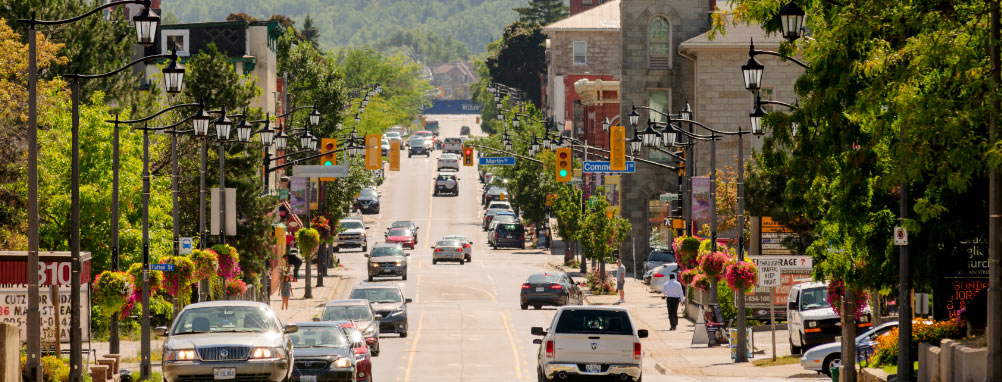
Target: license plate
[
  {"x": 539, "y": 289},
  {"x": 507, "y": 236},
  {"x": 307, "y": 378},
  {"x": 224, "y": 373},
  {"x": 593, "y": 368}
]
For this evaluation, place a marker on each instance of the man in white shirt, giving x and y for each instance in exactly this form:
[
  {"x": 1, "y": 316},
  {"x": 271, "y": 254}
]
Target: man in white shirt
[{"x": 673, "y": 292}]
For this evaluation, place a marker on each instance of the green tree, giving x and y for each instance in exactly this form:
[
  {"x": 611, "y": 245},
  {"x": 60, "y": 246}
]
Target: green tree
[
  {"x": 310, "y": 32},
  {"x": 543, "y": 12},
  {"x": 425, "y": 46},
  {"x": 601, "y": 232},
  {"x": 520, "y": 59}
]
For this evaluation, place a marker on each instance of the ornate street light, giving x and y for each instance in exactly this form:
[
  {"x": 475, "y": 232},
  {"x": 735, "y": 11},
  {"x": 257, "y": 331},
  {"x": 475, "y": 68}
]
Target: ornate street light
[
  {"x": 497, "y": 99},
  {"x": 507, "y": 142},
  {"x": 606, "y": 123},
  {"x": 650, "y": 137},
  {"x": 752, "y": 71},
  {"x": 670, "y": 135},
  {"x": 304, "y": 140},
  {"x": 223, "y": 126},
  {"x": 146, "y": 26},
  {"x": 315, "y": 117},
  {"x": 490, "y": 88},
  {"x": 636, "y": 143},
  {"x": 634, "y": 118},
  {"x": 792, "y": 18},
  {"x": 686, "y": 112},
  {"x": 793, "y": 128},
  {"x": 173, "y": 75},
  {"x": 756, "y": 120},
  {"x": 280, "y": 139},
  {"x": 267, "y": 134},
  {"x": 514, "y": 122},
  {"x": 244, "y": 130},
  {"x": 313, "y": 143},
  {"x": 201, "y": 123},
  {"x": 358, "y": 119},
  {"x": 534, "y": 146},
  {"x": 546, "y": 140}
]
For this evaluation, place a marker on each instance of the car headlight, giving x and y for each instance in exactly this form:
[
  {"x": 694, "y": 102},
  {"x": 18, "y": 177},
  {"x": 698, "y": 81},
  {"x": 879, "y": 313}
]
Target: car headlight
[
  {"x": 812, "y": 324},
  {"x": 400, "y": 263},
  {"x": 374, "y": 265},
  {"x": 396, "y": 312},
  {"x": 363, "y": 236},
  {"x": 266, "y": 352},
  {"x": 342, "y": 363},
  {"x": 181, "y": 355}
]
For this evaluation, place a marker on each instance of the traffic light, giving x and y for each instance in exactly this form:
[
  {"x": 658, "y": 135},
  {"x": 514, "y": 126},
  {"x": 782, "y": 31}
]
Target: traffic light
[
  {"x": 328, "y": 145},
  {"x": 394, "y": 155},
  {"x": 617, "y": 148},
  {"x": 467, "y": 156},
  {"x": 564, "y": 164},
  {"x": 373, "y": 156}
]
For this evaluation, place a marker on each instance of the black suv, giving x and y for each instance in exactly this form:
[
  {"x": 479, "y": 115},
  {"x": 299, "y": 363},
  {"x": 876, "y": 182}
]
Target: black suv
[
  {"x": 367, "y": 201},
  {"x": 508, "y": 235},
  {"x": 446, "y": 184},
  {"x": 418, "y": 147}
]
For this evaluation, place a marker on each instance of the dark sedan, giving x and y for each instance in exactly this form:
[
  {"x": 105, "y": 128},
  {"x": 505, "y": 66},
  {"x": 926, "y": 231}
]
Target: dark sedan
[
  {"x": 552, "y": 289},
  {"x": 367, "y": 201},
  {"x": 323, "y": 353},
  {"x": 388, "y": 301}
]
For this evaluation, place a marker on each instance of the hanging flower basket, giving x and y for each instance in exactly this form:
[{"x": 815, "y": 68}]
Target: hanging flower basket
[
  {"x": 156, "y": 278},
  {"x": 229, "y": 261},
  {"x": 323, "y": 227},
  {"x": 836, "y": 294},
  {"x": 741, "y": 276},
  {"x": 308, "y": 240},
  {"x": 686, "y": 249},
  {"x": 688, "y": 276},
  {"x": 713, "y": 264},
  {"x": 700, "y": 281},
  {"x": 112, "y": 290},
  {"x": 206, "y": 263},
  {"x": 235, "y": 287},
  {"x": 178, "y": 282}
]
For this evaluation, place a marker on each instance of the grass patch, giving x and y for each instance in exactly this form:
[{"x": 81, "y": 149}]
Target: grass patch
[
  {"x": 155, "y": 376},
  {"x": 156, "y": 355},
  {"x": 893, "y": 369},
  {"x": 787, "y": 360}
]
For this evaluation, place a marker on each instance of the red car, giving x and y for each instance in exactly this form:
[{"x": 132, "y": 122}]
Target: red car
[
  {"x": 363, "y": 357},
  {"x": 402, "y": 236}
]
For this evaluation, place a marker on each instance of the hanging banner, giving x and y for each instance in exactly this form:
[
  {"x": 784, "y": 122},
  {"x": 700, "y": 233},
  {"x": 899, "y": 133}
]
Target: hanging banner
[
  {"x": 297, "y": 195},
  {"x": 701, "y": 198},
  {"x": 617, "y": 148},
  {"x": 613, "y": 193},
  {"x": 373, "y": 157}
]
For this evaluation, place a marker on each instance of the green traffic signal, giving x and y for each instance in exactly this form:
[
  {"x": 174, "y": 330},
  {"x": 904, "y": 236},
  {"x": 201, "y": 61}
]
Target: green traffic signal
[
  {"x": 328, "y": 163},
  {"x": 563, "y": 173}
]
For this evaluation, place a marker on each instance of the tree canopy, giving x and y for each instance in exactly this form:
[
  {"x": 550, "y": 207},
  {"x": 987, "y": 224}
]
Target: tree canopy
[
  {"x": 424, "y": 46},
  {"x": 543, "y": 12}
]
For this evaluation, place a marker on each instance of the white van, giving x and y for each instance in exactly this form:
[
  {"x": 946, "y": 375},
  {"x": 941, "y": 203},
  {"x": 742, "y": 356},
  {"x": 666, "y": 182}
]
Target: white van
[{"x": 810, "y": 318}]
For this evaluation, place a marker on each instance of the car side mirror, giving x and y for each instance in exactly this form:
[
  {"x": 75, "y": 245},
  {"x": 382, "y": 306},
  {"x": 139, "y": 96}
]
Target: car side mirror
[
  {"x": 291, "y": 328},
  {"x": 537, "y": 341},
  {"x": 791, "y": 306},
  {"x": 642, "y": 333},
  {"x": 160, "y": 331},
  {"x": 537, "y": 331},
  {"x": 407, "y": 254},
  {"x": 366, "y": 227},
  {"x": 366, "y": 255},
  {"x": 408, "y": 301},
  {"x": 379, "y": 317}
]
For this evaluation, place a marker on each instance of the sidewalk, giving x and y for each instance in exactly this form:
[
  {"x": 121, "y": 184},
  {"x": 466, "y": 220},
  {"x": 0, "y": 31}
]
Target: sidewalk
[{"x": 671, "y": 351}]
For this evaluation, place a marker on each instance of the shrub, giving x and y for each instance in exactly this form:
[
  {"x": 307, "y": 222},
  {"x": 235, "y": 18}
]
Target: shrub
[
  {"x": 54, "y": 369},
  {"x": 598, "y": 286},
  {"x": 206, "y": 263},
  {"x": 886, "y": 352},
  {"x": 112, "y": 290}
]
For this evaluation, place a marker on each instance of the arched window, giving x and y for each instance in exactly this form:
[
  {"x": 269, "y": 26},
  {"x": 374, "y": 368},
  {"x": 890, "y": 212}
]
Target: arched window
[{"x": 659, "y": 43}]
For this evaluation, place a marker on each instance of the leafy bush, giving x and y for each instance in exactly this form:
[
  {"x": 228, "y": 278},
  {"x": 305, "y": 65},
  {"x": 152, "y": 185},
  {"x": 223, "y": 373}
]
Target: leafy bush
[
  {"x": 54, "y": 369},
  {"x": 112, "y": 291},
  {"x": 598, "y": 286},
  {"x": 886, "y": 352}
]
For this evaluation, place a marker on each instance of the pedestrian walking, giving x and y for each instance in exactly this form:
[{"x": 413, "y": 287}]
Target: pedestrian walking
[
  {"x": 621, "y": 280},
  {"x": 674, "y": 294},
  {"x": 295, "y": 262},
  {"x": 286, "y": 291}
]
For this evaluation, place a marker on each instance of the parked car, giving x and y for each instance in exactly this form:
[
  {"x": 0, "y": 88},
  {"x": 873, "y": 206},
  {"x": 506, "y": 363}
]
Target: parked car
[
  {"x": 465, "y": 130},
  {"x": 384, "y": 146},
  {"x": 363, "y": 355},
  {"x": 323, "y": 353},
  {"x": 497, "y": 204},
  {"x": 590, "y": 341},
  {"x": 387, "y": 260},
  {"x": 551, "y": 289},
  {"x": 446, "y": 184},
  {"x": 227, "y": 340},
  {"x": 418, "y": 146},
  {"x": 490, "y": 214},
  {"x": 467, "y": 245},
  {"x": 823, "y": 358},
  {"x": 367, "y": 201},
  {"x": 388, "y": 301},
  {"x": 811, "y": 319},
  {"x": 661, "y": 276},
  {"x": 406, "y": 224},
  {"x": 361, "y": 313},
  {"x": 352, "y": 234},
  {"x": 509, "y": 235},
  {"x": 659, "y": 256},
  {"x": 448, "y": 250},
  {"x": 452, "y": 145}
]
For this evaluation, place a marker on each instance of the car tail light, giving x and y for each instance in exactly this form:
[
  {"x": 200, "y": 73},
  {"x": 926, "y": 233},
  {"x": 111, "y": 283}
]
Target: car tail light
[
  {"x": 495, "y": 234},
  {"x": 526, "y": 286},
  {"x": 636, "y": 351},
  {"x": 659, "y": 275},
  {"x": 523, "y": 236},
  {"x": 438, "y": 250},
  {"x": 549, "y": 348},
  {"x": 466, "y": 246},
  {"x": 459, "y": 250},
  {"x": 556, "y": 286}
]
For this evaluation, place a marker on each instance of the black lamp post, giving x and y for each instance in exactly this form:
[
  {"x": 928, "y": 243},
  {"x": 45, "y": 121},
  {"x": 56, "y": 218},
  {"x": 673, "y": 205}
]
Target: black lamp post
[
  {"x": 791, "y": 16},
  {"x": 606, "y": 123},
  {"x": 222, "y": 125},
  {"x": 752, "y": 73}
]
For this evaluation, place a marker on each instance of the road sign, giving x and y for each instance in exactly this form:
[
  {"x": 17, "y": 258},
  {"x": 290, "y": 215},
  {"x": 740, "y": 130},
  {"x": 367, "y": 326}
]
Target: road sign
[
  {"x": 604, "y": 166},
  {"x": 900, "y": 236},
  {"x": 787, "y": 262},
  {"x": 162, "y": 267},
  {"x": 769, "y": 272},
  {"x": 497, "y": 161},
  {"x": 186, "y": 245},
  {"x": 668, "y": 197},
  {"x": 314, "y": 171}
]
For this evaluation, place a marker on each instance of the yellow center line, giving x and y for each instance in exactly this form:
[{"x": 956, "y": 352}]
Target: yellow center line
[
  {"x": 417, "y": 337},
  {"x": 514, "y": 349}
]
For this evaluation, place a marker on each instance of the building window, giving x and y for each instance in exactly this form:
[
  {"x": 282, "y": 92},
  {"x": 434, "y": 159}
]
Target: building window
[
  {"x": 580, "y": 51},
  {"x": 587, "y": 2},
  {"x": 175, "y": 40},
  {"x": 658, "y": 99},
  {"x": 659, "y": 44}
]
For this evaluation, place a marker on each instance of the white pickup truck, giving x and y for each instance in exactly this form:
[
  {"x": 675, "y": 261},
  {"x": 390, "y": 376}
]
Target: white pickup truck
[{"x": 585, "y": 341}]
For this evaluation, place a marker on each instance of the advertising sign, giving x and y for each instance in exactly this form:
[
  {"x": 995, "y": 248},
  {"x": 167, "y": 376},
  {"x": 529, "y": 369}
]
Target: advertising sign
[
  {"x": 14, "y": 310},
  {"x": 297, "y": 196},
  {"x": 701, "y": 198},
  {"x": 613, "y": 194}
]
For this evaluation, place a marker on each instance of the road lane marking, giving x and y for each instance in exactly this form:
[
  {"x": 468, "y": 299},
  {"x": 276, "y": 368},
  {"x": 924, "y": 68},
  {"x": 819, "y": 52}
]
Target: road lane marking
[
  {"x": 489, "y": 294},
  {"x": 417, "y": 337},
  {"x": 514, "y": 349}
]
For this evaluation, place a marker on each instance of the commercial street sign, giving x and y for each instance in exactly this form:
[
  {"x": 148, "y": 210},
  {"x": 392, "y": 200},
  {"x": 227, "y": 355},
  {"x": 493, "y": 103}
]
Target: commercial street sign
[
  {"x": 187, "y": 245},
  {"x": 162, "y": 267},
  {"x": 769, "y": 272},
  {"x": 787, "y": 262},
  {"x": 603, "y": 166},
  {"x": 497, "y": 161},
  {"x": 317, "y": 171}
]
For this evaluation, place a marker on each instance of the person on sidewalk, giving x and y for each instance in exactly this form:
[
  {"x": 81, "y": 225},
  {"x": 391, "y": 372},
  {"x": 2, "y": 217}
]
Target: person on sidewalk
[
  {"x": 621, "y": 280},
  {"x": 295, "y": 262},
  {"x": 674, "y": 294},
  {"x": 286, "y": 291}
]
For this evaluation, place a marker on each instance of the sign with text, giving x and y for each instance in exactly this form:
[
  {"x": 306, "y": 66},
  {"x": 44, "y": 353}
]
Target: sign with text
[
  {"x": 768, "y": 273},
  {"x": 603, "y": 166},
  {"x": 497, "y": 161},
  {"x": 162, "y": 267},
  {"x": 14, "y": 310},
  {"x": 617, "y": 148},
  {"x": 787, "y": 262}
]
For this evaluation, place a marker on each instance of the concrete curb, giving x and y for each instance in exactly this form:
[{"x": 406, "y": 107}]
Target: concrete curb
[{"x": 660, "y": 368}]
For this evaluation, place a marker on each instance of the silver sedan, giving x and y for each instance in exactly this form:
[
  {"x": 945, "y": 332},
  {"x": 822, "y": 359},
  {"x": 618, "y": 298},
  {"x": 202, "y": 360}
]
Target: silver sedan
[
  {"x": 448, "y": 250},
  {"x": 467, "y": 245}
]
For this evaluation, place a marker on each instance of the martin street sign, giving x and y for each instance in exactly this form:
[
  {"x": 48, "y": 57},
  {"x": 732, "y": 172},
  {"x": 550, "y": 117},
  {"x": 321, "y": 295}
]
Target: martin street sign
[
  {"x": 497, "y": 161},
  {"x": 603, "y": 166}
]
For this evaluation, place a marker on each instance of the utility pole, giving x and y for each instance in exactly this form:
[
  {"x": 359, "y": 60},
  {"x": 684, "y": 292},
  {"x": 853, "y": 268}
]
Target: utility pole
[
  {"x": 739, "y": 296},
  {"x": 113, "y": 340},
  {"x": 994, "y": 330}
]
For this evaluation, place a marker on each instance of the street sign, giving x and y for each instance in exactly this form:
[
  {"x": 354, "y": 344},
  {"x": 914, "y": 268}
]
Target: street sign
[
  {"x": 787, "y": 262},
  {"x": 186, "y": 245},
  {"x": 668, "y": 197},
  {"x": 769, "y": 272},
  {"x": 315, "y": 171},
  {"x": 900, "y": 236},
  {"x": 497, "y": 161},
  {"x": 162, "y": 267},
  {"x": 603, "y": 166}
]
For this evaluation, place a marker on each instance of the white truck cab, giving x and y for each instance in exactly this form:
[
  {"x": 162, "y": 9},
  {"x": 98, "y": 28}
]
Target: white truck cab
[
  {"x": 810, "y": 318},
  {"x": 590, "y": 341}
]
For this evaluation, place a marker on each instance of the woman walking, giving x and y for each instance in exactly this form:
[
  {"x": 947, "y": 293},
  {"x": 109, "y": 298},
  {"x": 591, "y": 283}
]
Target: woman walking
[{"x": 286, "y": 291}]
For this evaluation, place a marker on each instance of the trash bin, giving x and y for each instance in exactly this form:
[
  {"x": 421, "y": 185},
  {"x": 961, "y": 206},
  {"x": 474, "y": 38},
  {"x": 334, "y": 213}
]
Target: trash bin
[{"x": 836, "y": 370}]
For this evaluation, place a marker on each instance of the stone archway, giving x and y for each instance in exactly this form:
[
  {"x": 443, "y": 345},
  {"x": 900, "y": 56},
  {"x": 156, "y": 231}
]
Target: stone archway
[{"x": 638, "y": 189}]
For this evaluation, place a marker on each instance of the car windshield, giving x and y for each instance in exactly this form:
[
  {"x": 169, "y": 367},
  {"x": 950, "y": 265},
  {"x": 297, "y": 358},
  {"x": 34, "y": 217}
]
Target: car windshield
[
  {"x": 496, "y": 190},
  {"x": 505, "y": 218},
  {"x": 347, "y": 312},
  {"x": 661, "y": 256},
  {"x": 399, "y": 232},
  {"x": 367, "y": 192},
  {"x": 386, "y": 251},
  {"x": 544, "y": 278},
  {"x": 814, "y": 298},
  {"x": 352, "y": 224},
  {"x": 447, "y": 243},
  {"x": 318, "y": 337},
  {"x": 595, "y": 321},
  {"x": 508, "y": 227},
  {"x": 219, "y": 319},
  {"x": 459, "y": 238},
  {"x": 446, "y": 177},
  {"x": 453, "y": 140},
  {"x": 495, "y": 211},
  {"x": 392, "y": 134},
  {"x": 406, "y": 224},
  {"x": 377, "y": 295}
]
